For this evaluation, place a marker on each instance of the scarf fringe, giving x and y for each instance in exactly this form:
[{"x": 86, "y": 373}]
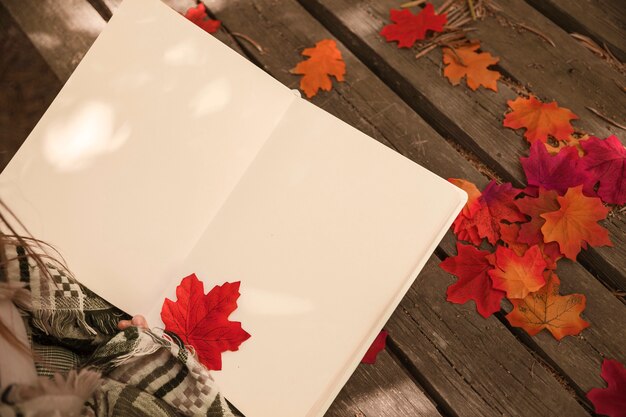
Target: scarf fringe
[
  {"x": 147, "y": 344},
  {"x": 63, "y": 322}
]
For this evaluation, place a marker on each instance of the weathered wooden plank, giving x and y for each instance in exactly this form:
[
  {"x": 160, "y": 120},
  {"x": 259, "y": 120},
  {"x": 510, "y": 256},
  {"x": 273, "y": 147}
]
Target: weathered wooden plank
[
  {"x": 602, "y": 20},
  {"x": 363, "y": 102},
  {"x": 471, "y": 118},
  {"x": 568, "y": 73},
  {"x": 383, "y": 389},
  {"x": 61, "y": 32},
  {"x": 27, "y": 86},
  {"x": 453, "y": 348}
]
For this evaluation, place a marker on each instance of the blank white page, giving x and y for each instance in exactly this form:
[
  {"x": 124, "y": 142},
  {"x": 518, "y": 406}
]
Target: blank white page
[
  {"x": 326, "y": 232},
  {"x": 140, "y": 149}
]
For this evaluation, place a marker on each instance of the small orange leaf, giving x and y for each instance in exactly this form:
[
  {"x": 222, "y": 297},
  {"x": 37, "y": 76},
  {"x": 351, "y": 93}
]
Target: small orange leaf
[
  {"x": 574, "y": 225},
  {"x": 518, "y": 275},
  {"x": 472, "y": 195},
  {"x": 325, "y": 59},
  {"x": 539, "y": 119},
  {"x": 466, "y": 62},
  {"x": 546, "y": 309},
  {"x": 571, "y": 141}
]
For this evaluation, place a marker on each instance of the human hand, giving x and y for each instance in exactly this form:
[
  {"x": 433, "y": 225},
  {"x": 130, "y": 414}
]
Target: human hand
[{"x": 138, "y": 321}]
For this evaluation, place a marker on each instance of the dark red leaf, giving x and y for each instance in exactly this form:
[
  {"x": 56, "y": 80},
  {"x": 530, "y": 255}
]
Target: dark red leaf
[
  {"x": 377, "y": 346},
  {"x": 199, "y": 16},
  {"x": 558, "y": 172},
  {"x": 605, "y": 161},
  {"x": 496, "y": 205},
  {"x": 611, "y": 401},
  {"x": 471, "y": 266}
]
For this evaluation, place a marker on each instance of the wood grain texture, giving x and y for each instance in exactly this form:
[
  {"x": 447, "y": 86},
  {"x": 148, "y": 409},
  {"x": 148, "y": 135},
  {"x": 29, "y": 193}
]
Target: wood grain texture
[
  {"x": 383, "y": 390},
  {"x": 61, "y": 31},
  {"x": 467, "y": 359},
  {"x": 471, "y": 118},
  {"x": 568, "y": 73},
  {"x": 602, "y": 20},
  {"x": 27, "y": 86}
]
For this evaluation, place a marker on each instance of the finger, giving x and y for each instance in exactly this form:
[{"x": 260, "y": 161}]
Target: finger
[
  {"x": 124, "y": 324},
  {"x": 140, "y": 321}
]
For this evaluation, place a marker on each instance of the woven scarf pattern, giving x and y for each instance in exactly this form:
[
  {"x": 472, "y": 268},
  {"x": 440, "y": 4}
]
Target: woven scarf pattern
[{"x": 143, "y": 373}]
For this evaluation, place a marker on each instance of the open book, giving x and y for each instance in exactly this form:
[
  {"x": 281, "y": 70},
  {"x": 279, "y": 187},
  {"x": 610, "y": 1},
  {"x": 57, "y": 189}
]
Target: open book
[{"x": 166, "y": 154}]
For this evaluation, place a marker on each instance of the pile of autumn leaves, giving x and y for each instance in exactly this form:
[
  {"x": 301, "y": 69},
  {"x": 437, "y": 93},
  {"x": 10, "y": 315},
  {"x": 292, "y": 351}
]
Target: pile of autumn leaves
[
  {"x": 515, "y": 237},
  {"x": 554, "y": 217},
  {"x": 526, "y": 230}
]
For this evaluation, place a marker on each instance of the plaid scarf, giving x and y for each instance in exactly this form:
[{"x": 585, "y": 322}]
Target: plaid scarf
[{"x": 141, "y": 373}]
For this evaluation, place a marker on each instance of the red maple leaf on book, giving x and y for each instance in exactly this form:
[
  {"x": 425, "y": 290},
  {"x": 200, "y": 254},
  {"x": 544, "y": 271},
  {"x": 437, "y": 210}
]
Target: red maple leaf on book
[{"x": 202, "y": 320}]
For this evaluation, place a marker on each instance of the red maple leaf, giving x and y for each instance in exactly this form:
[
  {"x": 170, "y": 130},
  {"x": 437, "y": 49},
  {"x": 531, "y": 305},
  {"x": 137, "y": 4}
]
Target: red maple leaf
[
  {"x": 408, "y": 28},
  {"x": 610, "y": 401},
  {"x": 605, "y": 160},
  {"x": 471, "y": 266},
  {"x": 484, "y": 212},
  {"x": 558, "y": 172},
  {"x": 496, "y": 204},
  {"x": 199, "y": 16},
  {"x": 518, "y": 275},
  {"x": 202, "y": 320},
  {"x": 377, "y": 345}
]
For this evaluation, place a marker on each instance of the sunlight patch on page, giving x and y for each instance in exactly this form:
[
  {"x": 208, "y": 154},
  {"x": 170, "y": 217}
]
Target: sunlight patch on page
[{"x": 88, "y": 132}]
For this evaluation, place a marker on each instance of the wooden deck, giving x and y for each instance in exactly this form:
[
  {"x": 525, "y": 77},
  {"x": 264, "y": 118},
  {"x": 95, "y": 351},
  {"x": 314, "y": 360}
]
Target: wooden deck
[{"x": 442, "y": 359}]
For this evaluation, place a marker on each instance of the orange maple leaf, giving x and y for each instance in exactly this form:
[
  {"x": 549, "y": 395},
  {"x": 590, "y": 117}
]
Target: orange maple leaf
[
  {"x": 325, "y": 59},
  {"x": 574, "y": 225},
  {"x": 518, "y": 275},
  {"x": 463, "y": 226},
  {"x": 466, "y": 62},
  {"x": 571, "y": 141},
  {"x": 539, "y": 119},
  {"x": 472, "y": 194},
  {"x": 546, "y": 309}
]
